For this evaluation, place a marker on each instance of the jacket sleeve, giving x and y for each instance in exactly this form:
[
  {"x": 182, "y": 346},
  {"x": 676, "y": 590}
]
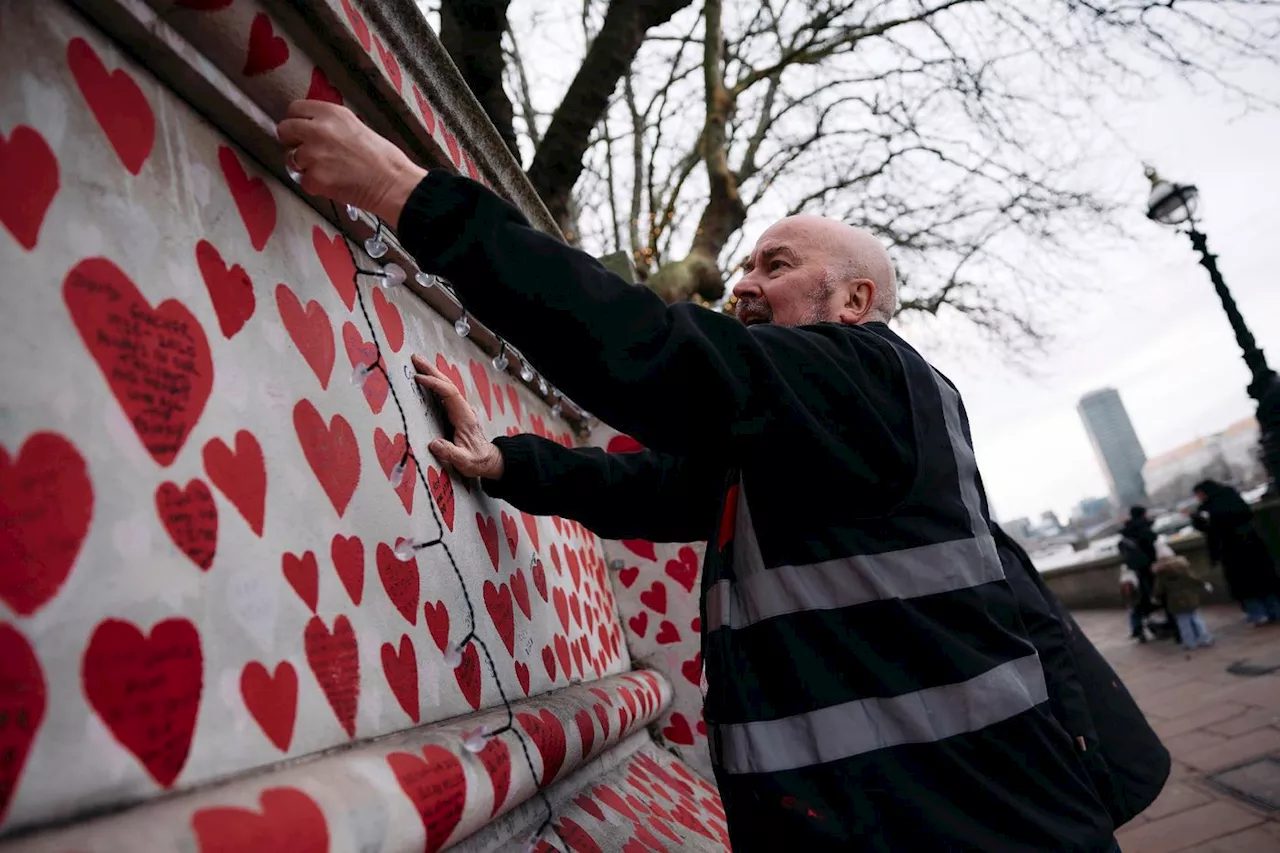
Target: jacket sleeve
[
  {"x": 621, "y": 352},
  {"x": 640, "y": 495}
]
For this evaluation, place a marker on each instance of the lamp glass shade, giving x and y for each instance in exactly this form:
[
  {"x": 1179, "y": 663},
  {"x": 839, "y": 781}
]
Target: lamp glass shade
[{"x": 1172, "y": 204}]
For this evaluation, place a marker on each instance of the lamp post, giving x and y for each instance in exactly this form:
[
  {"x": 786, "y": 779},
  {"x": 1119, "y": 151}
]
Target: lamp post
[{"x": 1175, "y": 204}]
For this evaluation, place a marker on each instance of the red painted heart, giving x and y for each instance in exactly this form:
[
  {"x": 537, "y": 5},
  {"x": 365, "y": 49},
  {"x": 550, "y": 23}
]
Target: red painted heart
[
  {"x": 639, "y": 623},
  {"x": 191, "y": 519},
  {"x": 498, "y": 601},
  {"x": 480, "y": 376},
  {"x": 549, "y": 661},
  {"x": 467, "y": 674},
  {"x": 290, "y": 820},
  {"x": 628, "y": 576},
  {"x": 331, "y": 452},
  {"x": 252, "y": 197},
  {"x": 692, "y": 670},
  {"x": 46, "y": 503},
  {"x": 310, "y": 331},
  {"x": 334, "y": 658},
  {"x": 230, "y": 289},
  {"x": 453, "y": 373},
  {"x": 347, "y": 553},
  {"x": 358, "y": 26},
  {"x": 520, "y": 590},
  {"x": 428, "y": 114},
  {"x": 496, "y": 759},
  {"x": 156, "y": 360},
  {"x": 390, "y": 452},
  {"x": 437, "y": 616},
  {"x": 28, "y": 183},
  {"x": 489, "y": 533},
  {"x": 586, "y": 732},
  {"x": 575, "y": 837},
  {"x": 401, "y": 670},
  {"x": 522, "y": 676},
  {"x": 400, "y": 580},
  {"x": 335, "y": 257},
  {"x": 641, "y": 548},
  {"x": 437, "y": 787},
  {"x": 540, "y": 579},
  {"x": 389, "y": 64},
  {"x": 117, "y": 103},
  {"x": 510, "y": 532},
  {"x": 531, "y": 527},
  {"x": 678, "y": 731},
  {"x": 362, "y": 352},
  {"x": 441, "y": 487},
  {"x": 241, "y": 476},
  {"x": 303, "y": 574},
  {"x": 322, "y": 90},
  {"x": 562, "y": 655},
  {"x": 389, "y": 317},
  {"x": 684, "y": 569},
  {"x": 624, "y": 444},
  {"x": 655, "y": 597},
  {"x": 146, "y": 690},
  {"x": 514, "y": 396},
  {"x": 22, "y": 701},
  {"x": 267, "y": 51},
  {"x": 667, "y": 634},
  {"x": 561, "y": 604},
  {"x": 272, "y": 700},
  {"x": 547, "y": 734}
]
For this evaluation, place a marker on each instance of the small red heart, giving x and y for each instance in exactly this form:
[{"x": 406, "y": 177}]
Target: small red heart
[
  {"x": 331, "y": 452},
  {"x": 562, "y": 654},
  {"x": 304, "y": 576},
  {"x": 510, "y": 532},
  {"x": 290, "y": 820},
  {"x": 362, "y": 352},
  {"x": 400, "y": 579},
  {"x": 46, "y": 504},
  {"x": 389, "y": 317},
  {"x": 241, "y": 476},
  {"x": 146, "y": 689},
  {"x": 692, "y": 670},
  {"x": 267, "y": 51},
  {"x": 547, "y": 734},
  {"x": 28, "y": 183},
  {"x": 575, "y": 609},
  {"x": 576, "y": 649},
  {"x": 667, "y": 634},
  {"x": 628, "y": 576},
  {"x": 358, "y": 26},
  {"x": 641, "y": 548},
  {"x": 696, "y": 625},
  {"x": 428, "y": 114},
  {"x": 496, "y": 759},
  {"x": 561, "y": 603},
  {"x": 514, "y": 396},
  {"x": 575, "y": 568},
  {"x": 437, "y": 617},
  {"x": 230, "y": 289},
  {"x": 117, "y": 103},
  {"x": 531, "y": 527},
  {"x": 252, "y": 197},
  {"x": 480, "y": 377},
  {"x": 162, "y": 396},
  {"x": 389, "y": 63},
  {"x": 555, "y": 552},
  {"x": 602, "y": 714},
  {"x": 310, "y": 331},
  {"x": 684, "y": 569},
  {"x": 335, "y": 257},
  {"x": 467, "y": 674},
  {"x": 489, "y": 533},
  {"x": 520, "y": 590},
  {"x": 22, "y": 700},
  {"x": 401, "y": 670},
  {"x": 191, "y": 519},
  {"x": 272, "y": 700},
  {"x": 549, "y": 661},
  {"x": 639, "y": 623},
  {"x": 441, "y": 487},
  {"x": 540, "y": 579},
  {"x": 334, "y": 658},
  {"x": 321, "y": 89},
  {"x": 522, "y": 676},
  {"x": 498, "y": 601},
  {"x": 347, "y": 553},
  {"x": 390, "y": 453},
  {"x": 655, "y": 597},
  {"x": 451, "y": 145}
]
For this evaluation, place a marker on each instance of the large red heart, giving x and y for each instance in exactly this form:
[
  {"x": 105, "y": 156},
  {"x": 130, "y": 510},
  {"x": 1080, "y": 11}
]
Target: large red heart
[
  {"x": 639, "y": 623},
  {"x": 628, "y": 576},
  {"x": 303, "y": 574},
  {"x": 489, "y": 533},
  {"x": 400, "y": 580},
  {"x": 441, "y": 486},
  {"x": 467, "y": 673},
  {"x": 252, "y": 197},
  {"x": 684, "y": 569},
  {"x": 540, "y": 578},
  {"x": 401, "y": 669},
  {"x": 362, "y": 352},
  {"x": 692, "y": 670},
  {"x": 290, "y": 820},
  {"x": 347, "y": 553},
  {"x": 272, "y": 700},
  {"x": 46, "y": 503},
  {"x": 322, "y": 90},
  {"x": 389, "y": 317},
  {"x": 496, "y": 759},
  {"x": 655, "y": 597},
  {"x": 267, "y": 51},
  {"x": 334, "y": 658},
  {"x": 117, "y": 103},
  {"x": 335, "y": 257},
  {"x": 155, "y": 360},
  {"x": 480, "y": 377},
  {"x": 310, "y": 330},
  {"x": 522, "y": 676},
  {"x": 241, "y": 476},
  {"x": 453, "y": 373},
  {"x": 428, "y": 114},
  {"x": 641, "y": 548},
  {"x": 679, "y": 731},
  {"x": 230, "y": 290},
  {"x": 549, "y": 661},
  {"x": 562, "y": 654},
  {"x": 586, "y": 731},
  {"x": 437, "y": 787},
  {"x": 667, "y": 633},
  {"x": 575, "y": 608},
  {"x": 437, "y": 616},
  {"x": 510, "y": 532},
  {"x": 575, "y": 568},
  {"x": 28, "y": 183},
  {"x": 22, "y": 703},
  {"x": 389, "y": 63},
  {"x": 331, "y": 451},
  {"x": 147, "y": 690},
  {"x": 497, "y": 600},
  {"x": 389, "y": 453},
  {"x": 547, "y": 734},
  {"x": 191, "y": 518},
  {"x": 520, "y": 591},
  {"x": 561, "y": 603}
]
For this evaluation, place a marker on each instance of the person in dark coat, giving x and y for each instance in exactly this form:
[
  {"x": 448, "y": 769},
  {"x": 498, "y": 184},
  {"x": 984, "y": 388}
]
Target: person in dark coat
[
  {"x": 1227, "y": 522},
  {"x": 1138, "y": 550},
  {"x": 885, "y": 669}
]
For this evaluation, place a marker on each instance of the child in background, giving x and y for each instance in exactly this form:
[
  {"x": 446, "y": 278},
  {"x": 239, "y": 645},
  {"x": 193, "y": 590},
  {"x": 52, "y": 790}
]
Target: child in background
[{"x": 1181, "y": 593}]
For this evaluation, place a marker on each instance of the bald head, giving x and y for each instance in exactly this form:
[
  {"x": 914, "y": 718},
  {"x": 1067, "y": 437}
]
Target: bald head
[{"x": 851, "y": 254}]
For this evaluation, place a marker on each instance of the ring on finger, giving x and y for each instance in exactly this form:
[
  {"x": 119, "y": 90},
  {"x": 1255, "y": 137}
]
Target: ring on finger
[{"x": 291, "y": 165}]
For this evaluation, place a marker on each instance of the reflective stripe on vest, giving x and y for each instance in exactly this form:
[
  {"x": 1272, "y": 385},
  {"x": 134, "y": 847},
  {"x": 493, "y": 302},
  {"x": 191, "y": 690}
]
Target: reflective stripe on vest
[{"x": 863, "y": 725}]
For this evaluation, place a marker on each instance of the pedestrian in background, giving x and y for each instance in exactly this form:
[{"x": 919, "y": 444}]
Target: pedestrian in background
[
  {"x": 1227, "y": 522},
  {"x": 1181, "y": 592}
]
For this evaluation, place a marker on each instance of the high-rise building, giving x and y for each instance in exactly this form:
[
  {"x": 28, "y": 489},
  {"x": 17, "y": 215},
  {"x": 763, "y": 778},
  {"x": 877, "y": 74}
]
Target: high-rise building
[{"x": 1116, "y": 444}]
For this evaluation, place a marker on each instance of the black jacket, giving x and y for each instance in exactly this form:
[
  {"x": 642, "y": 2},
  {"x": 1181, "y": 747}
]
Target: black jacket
[{"x": 810, "y": 411}]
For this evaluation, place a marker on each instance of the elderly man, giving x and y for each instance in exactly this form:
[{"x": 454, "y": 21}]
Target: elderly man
[{"x": 885, "y": 670}]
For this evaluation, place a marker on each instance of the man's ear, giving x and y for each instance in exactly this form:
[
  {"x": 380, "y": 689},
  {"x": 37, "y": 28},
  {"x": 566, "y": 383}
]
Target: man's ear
[{"x": 859, "y": 297}]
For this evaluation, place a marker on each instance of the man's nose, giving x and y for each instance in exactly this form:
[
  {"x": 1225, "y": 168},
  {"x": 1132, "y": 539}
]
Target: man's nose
[{"x": 747, "y": 287}]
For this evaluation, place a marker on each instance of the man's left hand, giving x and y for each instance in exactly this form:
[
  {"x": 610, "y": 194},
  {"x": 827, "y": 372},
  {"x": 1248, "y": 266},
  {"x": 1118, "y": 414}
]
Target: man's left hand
[{"x": 342, "y": 159}]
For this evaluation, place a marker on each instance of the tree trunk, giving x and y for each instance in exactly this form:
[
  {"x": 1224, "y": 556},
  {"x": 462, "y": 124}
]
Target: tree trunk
[
  {"x": 558, "y": 161},
  {"x": 471, "y": 31}
]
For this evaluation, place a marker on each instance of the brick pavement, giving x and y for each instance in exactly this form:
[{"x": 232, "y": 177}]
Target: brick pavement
[{"x": 1210, "y": 720}]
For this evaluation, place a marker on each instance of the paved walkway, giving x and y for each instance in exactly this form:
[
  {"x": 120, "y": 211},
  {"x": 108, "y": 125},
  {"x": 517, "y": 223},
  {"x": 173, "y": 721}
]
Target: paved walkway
[{"x": 1211, "y": 720}]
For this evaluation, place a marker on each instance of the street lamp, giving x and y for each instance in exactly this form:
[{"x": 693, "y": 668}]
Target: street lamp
[{"x": 1175, "y": 204}]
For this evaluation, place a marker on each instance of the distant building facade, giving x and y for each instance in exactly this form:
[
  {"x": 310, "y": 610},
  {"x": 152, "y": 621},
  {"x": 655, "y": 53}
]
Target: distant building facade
[
  {"x": 1116, "y": 445},
  {"x": 1230, "y": 456},
  {"x": 1092, "y": 511}
]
